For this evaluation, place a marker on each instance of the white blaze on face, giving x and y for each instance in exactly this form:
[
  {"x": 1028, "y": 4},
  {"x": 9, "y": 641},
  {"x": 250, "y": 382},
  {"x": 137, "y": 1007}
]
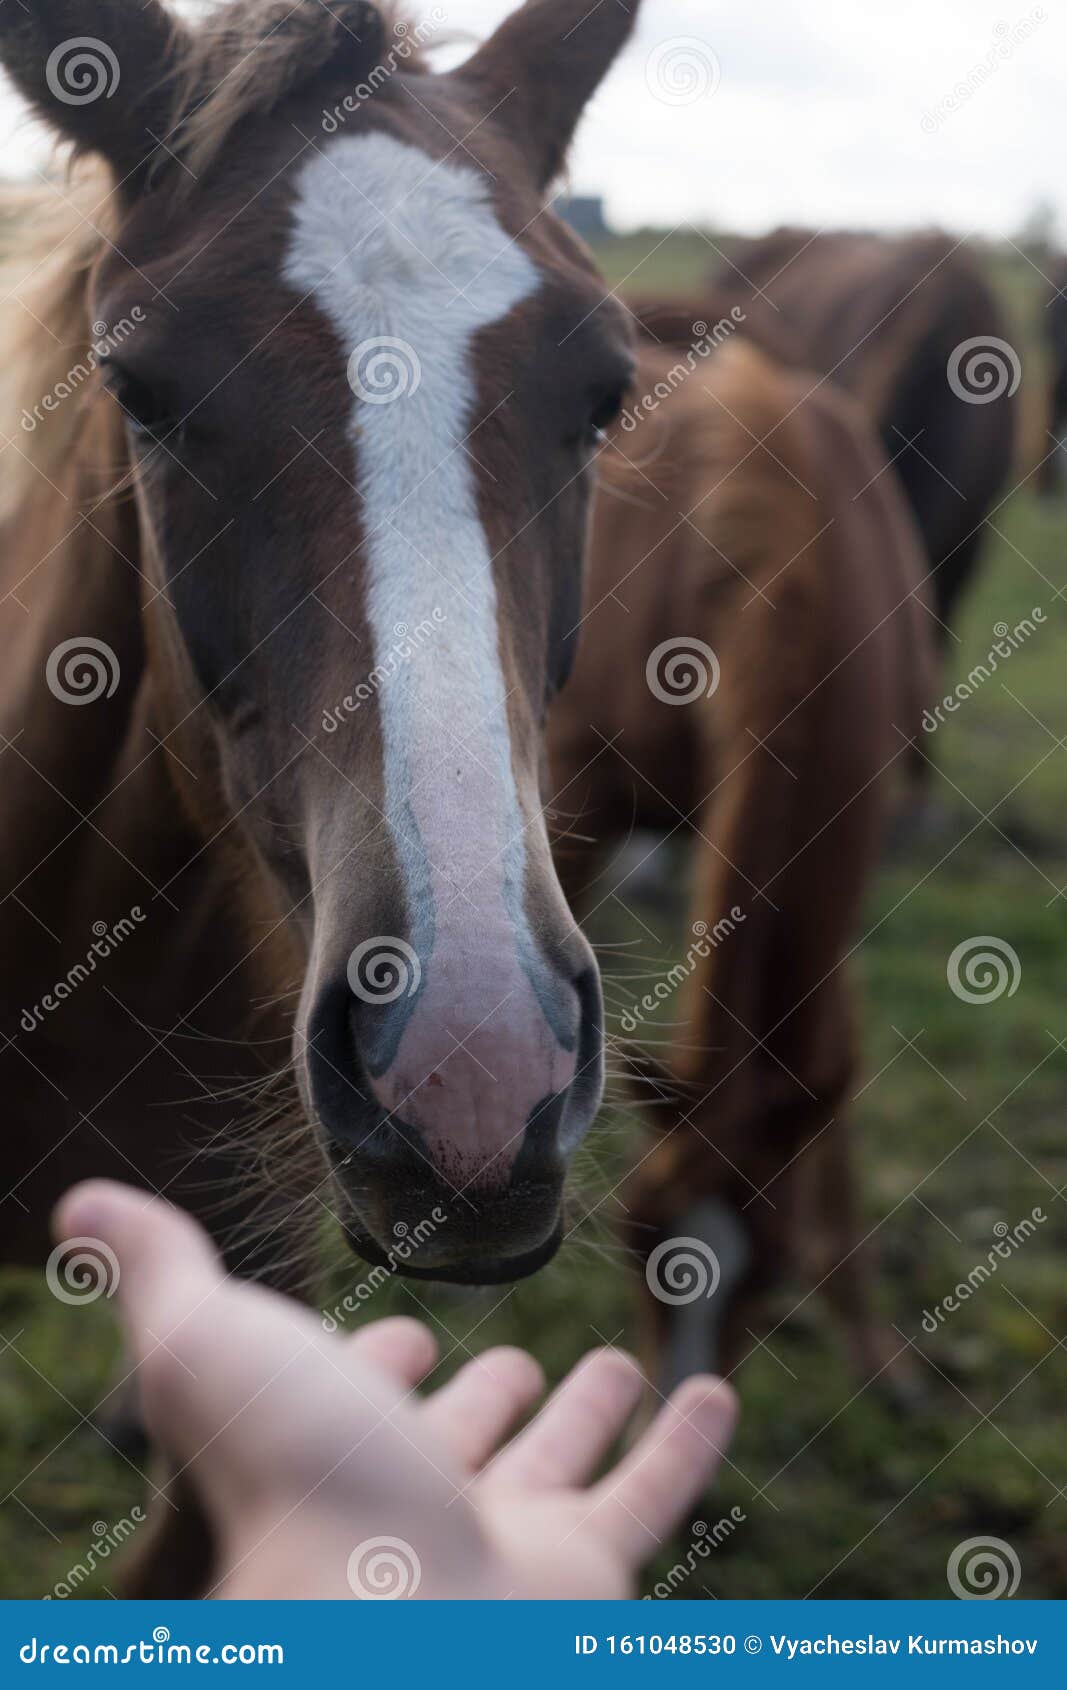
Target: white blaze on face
[{"x": 395, "y": 249}]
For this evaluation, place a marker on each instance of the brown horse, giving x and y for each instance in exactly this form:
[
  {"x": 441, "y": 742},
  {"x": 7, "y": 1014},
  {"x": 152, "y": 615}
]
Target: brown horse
[
  {"x": 1050, "y": 475},
  {"x": 911, "y": 328},
  {"x": 755, "y": 656},
  {"x": 302, "y": 394}
]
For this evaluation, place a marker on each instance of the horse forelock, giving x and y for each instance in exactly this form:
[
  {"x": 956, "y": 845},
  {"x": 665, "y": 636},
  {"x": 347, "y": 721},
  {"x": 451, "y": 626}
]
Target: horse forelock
[{"x": 246, "y": 56}]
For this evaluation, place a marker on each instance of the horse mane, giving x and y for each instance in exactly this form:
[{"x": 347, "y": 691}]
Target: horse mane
[
  {"x": 250, "y": 55},
  {"x": 52, "y": 244}
]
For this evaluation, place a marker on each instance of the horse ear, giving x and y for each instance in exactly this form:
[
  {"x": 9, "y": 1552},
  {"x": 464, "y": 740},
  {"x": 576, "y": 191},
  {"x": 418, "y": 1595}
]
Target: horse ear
[
  {"x": 97, "y": 73},
  {"x": 541, "y": 66}
]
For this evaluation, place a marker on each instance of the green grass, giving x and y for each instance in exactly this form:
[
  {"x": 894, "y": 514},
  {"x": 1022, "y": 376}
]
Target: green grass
[{"x": 961, "y": 1130}]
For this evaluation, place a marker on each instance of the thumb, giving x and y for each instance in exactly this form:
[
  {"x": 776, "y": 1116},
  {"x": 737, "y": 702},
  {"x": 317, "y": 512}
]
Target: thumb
[{"x": 155, "y": 1257}]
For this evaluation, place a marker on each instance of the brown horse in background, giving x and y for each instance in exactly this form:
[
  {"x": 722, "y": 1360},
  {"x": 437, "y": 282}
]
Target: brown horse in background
[
  {"x": 1050, "y": 476},
  {"x": 755, "y": 657},
  {"x": 910, "y": 327}
]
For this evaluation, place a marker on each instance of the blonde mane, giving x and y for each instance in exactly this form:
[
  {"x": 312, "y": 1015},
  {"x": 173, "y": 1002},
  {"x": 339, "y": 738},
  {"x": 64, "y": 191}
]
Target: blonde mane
[{"x": 47, "y": 371}]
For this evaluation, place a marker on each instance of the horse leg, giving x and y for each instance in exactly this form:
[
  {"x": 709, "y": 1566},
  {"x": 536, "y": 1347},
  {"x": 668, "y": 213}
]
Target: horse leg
[{"x": 846, "y": 1273}]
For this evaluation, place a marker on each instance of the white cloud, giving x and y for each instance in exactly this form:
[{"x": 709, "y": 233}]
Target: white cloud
[{"x": 817, "y": 116}]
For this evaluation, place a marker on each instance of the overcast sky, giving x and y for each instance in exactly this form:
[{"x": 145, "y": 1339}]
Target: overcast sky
[{"x": 861, "y": 112}]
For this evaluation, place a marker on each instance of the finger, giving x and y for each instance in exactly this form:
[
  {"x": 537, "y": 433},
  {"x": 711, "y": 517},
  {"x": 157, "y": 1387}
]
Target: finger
[
  {"x": 640, "y": 1502},
  {"x": 156, "y": 1257},
  {"x": 475, "y": 1409},
  {"x": 580, "y": 1420},
  {"x": 402, "y": 1347}
]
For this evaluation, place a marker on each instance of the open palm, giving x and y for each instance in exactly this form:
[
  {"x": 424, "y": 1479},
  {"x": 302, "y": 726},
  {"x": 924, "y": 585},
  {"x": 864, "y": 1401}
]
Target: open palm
[{"x": 324, "y": 1475}]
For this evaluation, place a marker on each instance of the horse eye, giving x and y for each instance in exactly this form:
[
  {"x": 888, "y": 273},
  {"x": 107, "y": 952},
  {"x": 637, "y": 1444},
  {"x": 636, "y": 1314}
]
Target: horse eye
[
  {"x": 148, "y": 414},
  {"x": 605, "y": 412}
]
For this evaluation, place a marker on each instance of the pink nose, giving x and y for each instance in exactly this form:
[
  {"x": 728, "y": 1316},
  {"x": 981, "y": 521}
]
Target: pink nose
[{"x": 476, "y": 1059}]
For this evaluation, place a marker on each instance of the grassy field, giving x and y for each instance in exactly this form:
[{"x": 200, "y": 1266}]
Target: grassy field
[{"x": 961, "y": 1109}]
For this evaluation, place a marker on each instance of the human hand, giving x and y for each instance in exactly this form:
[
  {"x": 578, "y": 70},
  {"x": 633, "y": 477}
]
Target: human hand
[{"x": 323, "y": 1475}]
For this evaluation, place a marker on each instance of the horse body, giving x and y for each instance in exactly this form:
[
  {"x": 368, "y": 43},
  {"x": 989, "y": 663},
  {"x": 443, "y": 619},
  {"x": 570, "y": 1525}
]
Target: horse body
[
  {"x": 886, "y": 318},
  {"x": 747, "y": 518}
]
